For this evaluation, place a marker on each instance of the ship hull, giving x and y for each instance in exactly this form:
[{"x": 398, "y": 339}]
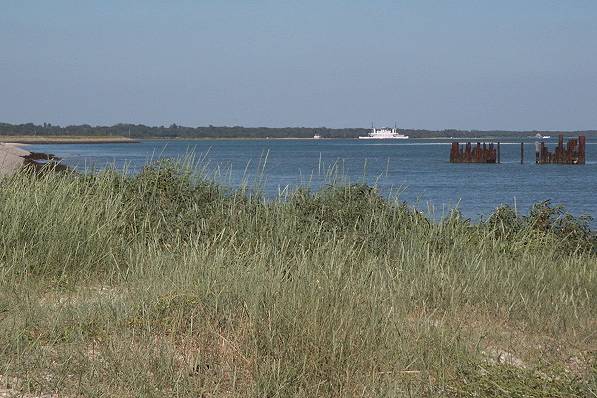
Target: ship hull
[{"x": 383, "y": 138}]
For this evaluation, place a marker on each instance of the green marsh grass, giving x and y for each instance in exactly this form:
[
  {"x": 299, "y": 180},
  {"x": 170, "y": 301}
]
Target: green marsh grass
[{"x": 167, "y": 284}]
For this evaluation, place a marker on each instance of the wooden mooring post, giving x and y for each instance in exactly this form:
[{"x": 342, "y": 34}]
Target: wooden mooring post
[{"x": 522, "y": 153}]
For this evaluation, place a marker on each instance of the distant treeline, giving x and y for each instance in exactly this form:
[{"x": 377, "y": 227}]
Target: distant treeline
[{"x": 175, "y": 131}]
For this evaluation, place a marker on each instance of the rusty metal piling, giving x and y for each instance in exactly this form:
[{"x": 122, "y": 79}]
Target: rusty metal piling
[
  {"x": 581, "y": 149},
  {"x": 480, "y": 153},
  {"x": 571, "y": 153}
]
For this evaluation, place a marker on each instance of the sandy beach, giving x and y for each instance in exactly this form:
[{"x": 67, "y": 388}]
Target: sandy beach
[{"x": 13, "y": 157}]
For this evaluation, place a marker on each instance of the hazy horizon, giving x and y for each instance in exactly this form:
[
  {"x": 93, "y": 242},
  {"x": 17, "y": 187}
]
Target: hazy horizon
[
  {"x": 300, "y": 127},
  {"x": 478, "y": 65}
]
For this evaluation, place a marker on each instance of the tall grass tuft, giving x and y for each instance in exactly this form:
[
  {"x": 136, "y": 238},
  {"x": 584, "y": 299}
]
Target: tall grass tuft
[{"x": 167, "y": 284}]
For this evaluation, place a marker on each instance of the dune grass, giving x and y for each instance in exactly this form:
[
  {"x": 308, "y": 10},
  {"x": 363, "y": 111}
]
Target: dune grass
[{"x": 166, "y": 284}]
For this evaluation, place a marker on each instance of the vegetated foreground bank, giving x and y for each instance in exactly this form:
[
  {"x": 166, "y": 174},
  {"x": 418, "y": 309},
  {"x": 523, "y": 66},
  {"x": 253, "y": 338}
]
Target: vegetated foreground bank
[{"x": 161, "y": 284}]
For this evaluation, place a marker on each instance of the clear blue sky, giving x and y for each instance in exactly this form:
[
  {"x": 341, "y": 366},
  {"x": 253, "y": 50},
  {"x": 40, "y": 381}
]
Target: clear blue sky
[{"x": 467, "y": 64}]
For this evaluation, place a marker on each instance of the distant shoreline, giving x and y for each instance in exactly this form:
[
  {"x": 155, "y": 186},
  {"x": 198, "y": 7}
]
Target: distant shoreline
[
  {"x": 37, "y": 140},
  {"x": 461, "y": 139},
  {"x": 32, "y": 133},
  {"x": 41, "y": 140}
]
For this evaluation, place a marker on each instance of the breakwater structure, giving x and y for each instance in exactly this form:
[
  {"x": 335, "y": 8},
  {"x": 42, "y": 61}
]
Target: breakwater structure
[
  {"x": 572, "y": 153},
  {"x": 480, "y": 153}
]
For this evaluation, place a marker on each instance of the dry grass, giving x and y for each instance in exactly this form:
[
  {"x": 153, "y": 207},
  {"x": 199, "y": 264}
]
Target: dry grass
[{"x": 161, "y": 285}]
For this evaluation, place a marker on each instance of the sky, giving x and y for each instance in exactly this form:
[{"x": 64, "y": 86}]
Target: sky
[{"x": 467, "y": 64}]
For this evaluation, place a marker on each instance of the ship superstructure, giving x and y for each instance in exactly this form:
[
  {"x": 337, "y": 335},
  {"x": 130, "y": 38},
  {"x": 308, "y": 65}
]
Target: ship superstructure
[{"x": 384, "y": 134}]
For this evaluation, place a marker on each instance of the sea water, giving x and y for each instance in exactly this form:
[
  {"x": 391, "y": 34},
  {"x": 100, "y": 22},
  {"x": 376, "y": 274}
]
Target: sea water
[{"x": 416, "y": 171}]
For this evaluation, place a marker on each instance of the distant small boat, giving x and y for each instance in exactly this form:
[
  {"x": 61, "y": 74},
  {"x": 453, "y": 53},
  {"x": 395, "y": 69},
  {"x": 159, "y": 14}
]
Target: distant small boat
[
  {"x": 316, "y": 137},
  {"x": 540, "y": 136}
]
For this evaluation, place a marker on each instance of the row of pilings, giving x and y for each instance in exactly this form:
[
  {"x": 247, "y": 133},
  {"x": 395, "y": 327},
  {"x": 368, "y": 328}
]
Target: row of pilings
[
  {"x": 481, "y": 153},
  {"x": 571, "y": 153}
]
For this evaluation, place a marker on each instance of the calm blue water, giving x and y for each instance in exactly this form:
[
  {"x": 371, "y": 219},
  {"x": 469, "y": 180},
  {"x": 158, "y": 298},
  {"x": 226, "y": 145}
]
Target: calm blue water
[{"x": 418, "y": 169}]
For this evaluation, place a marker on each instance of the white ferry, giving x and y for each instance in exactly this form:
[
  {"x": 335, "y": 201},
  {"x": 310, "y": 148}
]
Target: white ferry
[
  {"x": 384, "y": 134},
  {"x": 317, "y": 137}
]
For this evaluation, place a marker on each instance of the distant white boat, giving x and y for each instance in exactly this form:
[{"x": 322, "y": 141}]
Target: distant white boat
[
  {"x": 384, "y": 134},
  {"x": 540, "y": 136},
  {"x": 316, "y": 137}
]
